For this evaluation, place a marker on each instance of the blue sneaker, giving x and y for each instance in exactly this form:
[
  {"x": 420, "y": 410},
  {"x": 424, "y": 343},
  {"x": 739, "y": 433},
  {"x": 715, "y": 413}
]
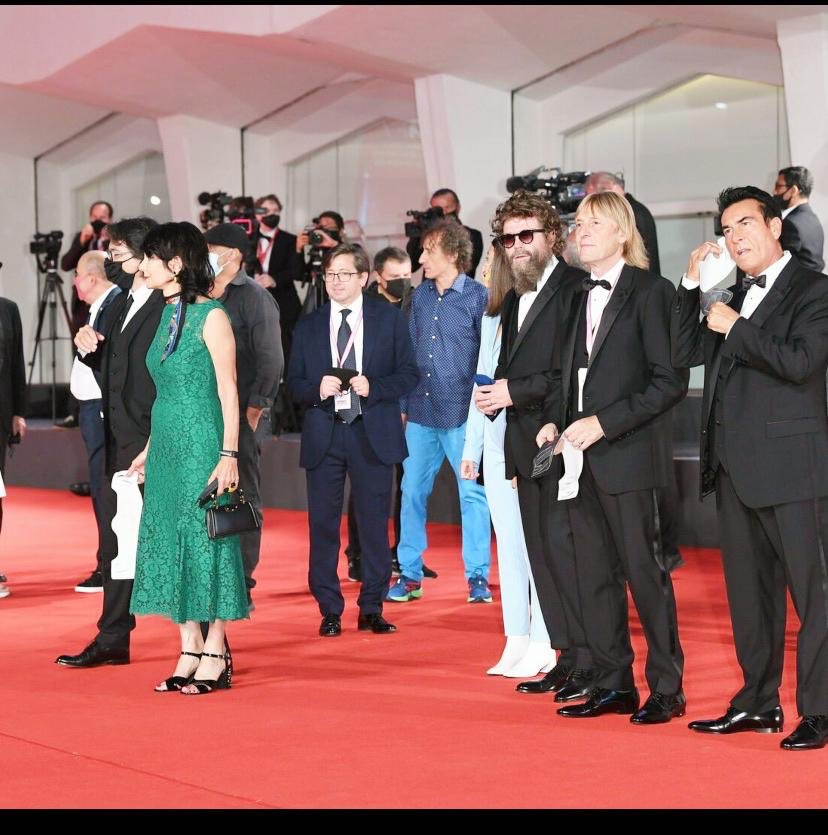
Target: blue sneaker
[
  {"x": 403, "y": 590},
  {"x": 479, "y": 591}
]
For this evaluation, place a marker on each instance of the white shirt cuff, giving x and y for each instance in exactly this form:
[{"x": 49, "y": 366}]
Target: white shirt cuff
[
  {"x": 731, "y": 327},
  {"x": 689, "y": 284}
]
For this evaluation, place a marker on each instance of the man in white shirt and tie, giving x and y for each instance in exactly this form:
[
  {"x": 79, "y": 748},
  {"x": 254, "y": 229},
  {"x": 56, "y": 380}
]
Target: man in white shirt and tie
[{"x": 96, "y": 290}]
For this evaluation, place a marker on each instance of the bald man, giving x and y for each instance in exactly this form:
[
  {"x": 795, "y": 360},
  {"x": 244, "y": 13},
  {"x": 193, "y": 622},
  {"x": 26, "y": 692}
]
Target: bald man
[{"x": 94, "y": 289}]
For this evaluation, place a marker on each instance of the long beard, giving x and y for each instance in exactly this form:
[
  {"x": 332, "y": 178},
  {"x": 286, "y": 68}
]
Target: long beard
[{"x": 528, "y": 273}]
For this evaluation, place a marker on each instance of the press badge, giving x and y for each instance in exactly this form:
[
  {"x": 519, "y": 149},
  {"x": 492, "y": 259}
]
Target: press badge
[
  {"x": 582, "y": 374},
  {"x": 342, "y": 401}
]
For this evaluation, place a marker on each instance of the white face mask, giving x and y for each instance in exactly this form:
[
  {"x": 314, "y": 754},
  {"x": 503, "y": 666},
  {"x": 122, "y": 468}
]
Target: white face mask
[{"x": 214, "y": 263}]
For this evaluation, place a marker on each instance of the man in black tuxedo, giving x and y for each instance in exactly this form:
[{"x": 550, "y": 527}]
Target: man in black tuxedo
[
  {"x": 12, "y": 386},
  {"x": 802, "y": 233},
  {"x": 118, "y": 351},
  {"x": 617, "y": 381},
  {"x": 351, "y": 428},
  {"x": 533, "y": 237},
  {"x": 447, "y": 200},
  {"x": 764, "y": 447},
  {"x": 279, "y": 265}
]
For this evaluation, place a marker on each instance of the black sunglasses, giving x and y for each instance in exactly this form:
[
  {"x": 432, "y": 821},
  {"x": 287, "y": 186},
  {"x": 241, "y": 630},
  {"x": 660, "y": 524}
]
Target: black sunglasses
[{"x": 525, "y": 235}]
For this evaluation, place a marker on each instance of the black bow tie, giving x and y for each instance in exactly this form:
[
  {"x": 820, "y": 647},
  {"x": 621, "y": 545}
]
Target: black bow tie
[
  {"x": 759, "y": 281},
  {"x": 589, "y": 283}
]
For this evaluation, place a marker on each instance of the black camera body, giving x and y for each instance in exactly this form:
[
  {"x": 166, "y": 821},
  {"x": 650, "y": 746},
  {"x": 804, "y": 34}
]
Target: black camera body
[
  {"x": 564, "y": 191},
  {"x": 215, "y": 201},
  {"x": 47, "y": 243},
  {"x": 421, "y": 221}
]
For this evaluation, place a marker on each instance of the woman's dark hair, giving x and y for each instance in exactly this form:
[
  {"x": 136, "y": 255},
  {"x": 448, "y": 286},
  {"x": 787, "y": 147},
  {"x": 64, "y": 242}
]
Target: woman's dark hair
[
  {"x": 132, "y": 231},
  {"x": 185, "y": 241},
  {"x": 735, "y": 194}
]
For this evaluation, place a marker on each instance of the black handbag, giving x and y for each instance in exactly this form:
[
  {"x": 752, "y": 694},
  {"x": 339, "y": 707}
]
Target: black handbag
[{"x": 235, "y": 517}]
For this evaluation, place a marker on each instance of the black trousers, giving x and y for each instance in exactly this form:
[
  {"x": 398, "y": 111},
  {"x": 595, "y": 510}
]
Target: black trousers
[
  {"x": 764, "y": 551},
  {"x": 115, "y": 622},
  {"x": 92, "y": 429},
  {"x": 250, "y": 457},
  {"x": 3, "y": 473},
  {"x": 354, "y": 549},
  {"x": 618, "y": 541},
  {"x": 549, "y": 545},
  {"x": 350, "y": 455}
]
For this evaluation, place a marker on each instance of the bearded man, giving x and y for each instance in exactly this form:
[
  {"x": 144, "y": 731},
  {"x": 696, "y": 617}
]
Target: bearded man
[{"x": 533, "y": 237}]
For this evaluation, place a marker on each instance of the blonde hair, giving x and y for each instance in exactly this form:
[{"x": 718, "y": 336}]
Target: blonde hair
[{"x": 612, "y": 206}]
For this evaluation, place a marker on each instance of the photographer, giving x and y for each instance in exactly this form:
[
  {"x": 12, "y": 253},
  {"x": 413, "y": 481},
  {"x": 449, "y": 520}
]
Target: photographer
[
  {"x": 324, "y": 233},
  {"x": 278, "y": 265},
  {"x": 446, "y": 203}
]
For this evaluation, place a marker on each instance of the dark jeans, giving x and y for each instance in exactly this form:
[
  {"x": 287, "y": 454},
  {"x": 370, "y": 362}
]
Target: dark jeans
[
  {"x": 92, "y": 430},
  {"x": 250, "y": 454}
]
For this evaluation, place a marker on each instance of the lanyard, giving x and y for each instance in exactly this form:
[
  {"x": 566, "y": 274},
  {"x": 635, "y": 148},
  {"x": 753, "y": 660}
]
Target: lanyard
[
  {"x": 334, "y": 350},
  {"x": 265, "y": 255}
]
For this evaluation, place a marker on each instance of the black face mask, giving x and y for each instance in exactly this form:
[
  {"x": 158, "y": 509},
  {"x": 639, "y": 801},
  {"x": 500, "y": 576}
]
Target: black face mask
[
  {"x": 398, "y": 287},
  {"x": 116, "y": 273},
  {"x": 270, "y": 221},
  {"x": 781, "y": 202},
  {"x": 97, "y": 226}
]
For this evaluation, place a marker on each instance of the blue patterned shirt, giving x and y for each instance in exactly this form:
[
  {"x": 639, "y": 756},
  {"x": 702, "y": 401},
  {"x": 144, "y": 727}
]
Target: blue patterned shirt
[{"x": 445, "y": 331}]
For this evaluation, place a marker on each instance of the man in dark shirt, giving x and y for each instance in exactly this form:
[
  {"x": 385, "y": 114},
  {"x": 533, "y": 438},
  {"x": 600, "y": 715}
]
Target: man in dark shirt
[
  {"x": 644, "y": 221},
  {"x": 449, "y": 202},
  {"x": 254, "y": 317}
]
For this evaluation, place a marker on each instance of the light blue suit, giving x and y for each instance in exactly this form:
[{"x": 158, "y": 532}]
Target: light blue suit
[{"x": 483, "y": 436}]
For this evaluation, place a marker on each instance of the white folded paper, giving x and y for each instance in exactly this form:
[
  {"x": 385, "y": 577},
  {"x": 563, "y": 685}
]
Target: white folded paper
[
  {"x": 126, "y": 523},
  {"x": 714, "y": 269},
  {"x": 573, "y": 465},
  {"x": 2, "y": 487}
]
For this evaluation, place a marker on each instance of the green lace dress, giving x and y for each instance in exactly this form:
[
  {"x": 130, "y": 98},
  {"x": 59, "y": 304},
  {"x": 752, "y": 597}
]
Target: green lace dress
[{"x": 180, "y": 572}]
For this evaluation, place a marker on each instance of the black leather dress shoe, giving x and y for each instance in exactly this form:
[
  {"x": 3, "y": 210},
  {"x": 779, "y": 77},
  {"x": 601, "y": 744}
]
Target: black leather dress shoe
[
  {"x": 69, "y": 422},
  {"x": 376, "y": 623},
  {"x": 551, "y": 682},
  {"x": 331, "y": 626},
  {"x": 80, "y": 488},
  {"x": 577, "y": 686},
  {"x": 429, "y": 572},
  {"x": 812, "y": 732},
  {"x": 94, "y": 656},
  {"x": 603, "y": 701},
  {"x": 735, "y": 721},
  {"x": 659, "y": 709}
]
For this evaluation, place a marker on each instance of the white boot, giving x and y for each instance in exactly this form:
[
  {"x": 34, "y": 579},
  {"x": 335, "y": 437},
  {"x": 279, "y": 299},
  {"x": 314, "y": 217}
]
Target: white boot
[
  {"x": 539, "y": 658},
  {"x": 515, "y": 649}
]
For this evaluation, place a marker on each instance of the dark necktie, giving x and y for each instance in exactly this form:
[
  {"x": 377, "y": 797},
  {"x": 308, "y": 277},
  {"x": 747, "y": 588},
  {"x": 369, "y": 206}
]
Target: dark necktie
[
  {"x": 125, "y": 311},
  {"x": 342, "y": 338},
  {"x": 590, "y": 283},
  {"x": 759, "y": 281}
]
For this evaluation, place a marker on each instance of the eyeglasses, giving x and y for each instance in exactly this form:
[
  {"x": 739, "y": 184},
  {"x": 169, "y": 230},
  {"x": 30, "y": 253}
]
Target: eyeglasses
[
  {"x": 526, "y": 236},
  {"x": 342, "y": 278}
]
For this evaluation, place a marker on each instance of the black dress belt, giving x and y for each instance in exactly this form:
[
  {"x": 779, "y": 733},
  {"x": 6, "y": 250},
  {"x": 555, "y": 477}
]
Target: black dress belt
[{"x": 339, "y": 419}]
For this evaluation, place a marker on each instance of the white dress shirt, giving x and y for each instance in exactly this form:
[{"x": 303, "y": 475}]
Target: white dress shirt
[
  {"x": 139, "y": 299},
  {"x": 353, "y": 320},
  {"x": 599, "y": 296},
  {"x": 786, "y": 212},
  {"x": 82, "y": 382},
  {"x": 527, "y": 299}
]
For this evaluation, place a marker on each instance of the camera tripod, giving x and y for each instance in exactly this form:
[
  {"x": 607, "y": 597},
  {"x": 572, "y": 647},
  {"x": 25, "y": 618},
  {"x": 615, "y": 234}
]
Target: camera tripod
[{"x": 52, "y": 293}]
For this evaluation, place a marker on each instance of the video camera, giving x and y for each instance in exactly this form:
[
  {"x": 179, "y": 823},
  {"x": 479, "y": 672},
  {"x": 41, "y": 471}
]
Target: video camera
[
  {"x": 414, "y": 229},
  {"x": 564, "y": 191},
  {"x": 216, "y": 201},
  {"x": 48, "y": 245}
]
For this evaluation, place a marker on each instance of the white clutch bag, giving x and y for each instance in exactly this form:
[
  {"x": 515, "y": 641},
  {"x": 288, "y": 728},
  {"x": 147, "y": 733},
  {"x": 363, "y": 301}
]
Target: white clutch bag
[{"x": 126, "y": 523}]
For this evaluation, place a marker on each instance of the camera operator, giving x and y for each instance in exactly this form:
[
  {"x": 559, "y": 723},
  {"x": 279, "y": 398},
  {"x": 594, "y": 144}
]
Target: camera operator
[
  {"x": 324, "y": 233},
  {"x": 448, "y": 202},
  {"x": 278, "y": 265},
  {"x": 644, "y": 222}
]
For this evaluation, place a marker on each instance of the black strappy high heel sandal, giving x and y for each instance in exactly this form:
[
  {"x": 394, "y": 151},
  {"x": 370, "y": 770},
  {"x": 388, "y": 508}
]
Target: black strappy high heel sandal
[
  {"x": 175, "y": 683},
  {"x": 223, "y": 682}
]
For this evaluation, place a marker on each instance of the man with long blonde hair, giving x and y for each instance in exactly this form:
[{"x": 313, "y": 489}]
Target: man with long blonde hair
[{"x": 617, "y": 380}]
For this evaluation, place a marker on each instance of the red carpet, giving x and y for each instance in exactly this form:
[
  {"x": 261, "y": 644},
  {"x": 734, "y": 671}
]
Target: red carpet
[{"x": 406, "y": 720}]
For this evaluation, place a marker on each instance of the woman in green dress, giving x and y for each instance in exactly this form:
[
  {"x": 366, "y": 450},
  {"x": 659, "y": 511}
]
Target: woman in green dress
[{"x": 180, "y": 572}]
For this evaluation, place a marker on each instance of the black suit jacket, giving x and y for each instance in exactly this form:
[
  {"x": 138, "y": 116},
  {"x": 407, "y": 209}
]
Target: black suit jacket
[
  {"x": 775, "y": 427},
  {"x": 12, "y": 368},
  {"x": 630, "y": 384},
  {"x": 388, "y": 363},
  {"x": 645, "y": 223},
  {"x": 127, "y": 387},
  {"x": 284, "y": 266},
  {"x": 802, "y": 234},
  {"x": 526, "y": 361}
]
